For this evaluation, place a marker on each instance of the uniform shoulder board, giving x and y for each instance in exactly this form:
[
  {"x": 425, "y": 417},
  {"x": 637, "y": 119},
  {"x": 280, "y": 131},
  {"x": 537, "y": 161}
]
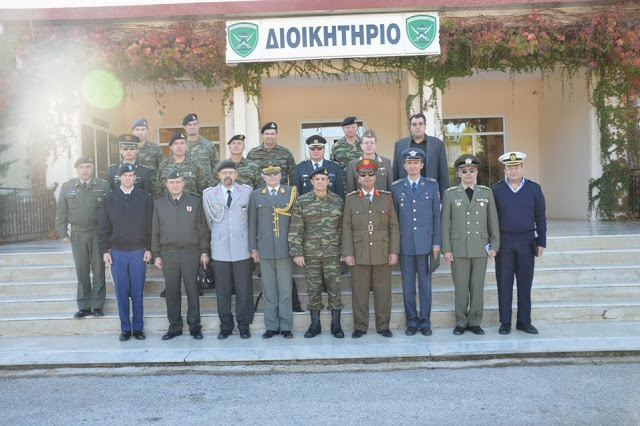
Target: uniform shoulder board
[
  {"x": 382, "y": 191},
  {"x": 352, "y": 193},
  {"x": 244, "y": 185},
  {"x": 429, "y": 179},
  {"x": 482, "y": 186},
  {"x": 453, "y": 187},
  {"x": 207, "y": 189},
  {"x": 397, "y": 182},
  {"x": 101, "y": 181}
]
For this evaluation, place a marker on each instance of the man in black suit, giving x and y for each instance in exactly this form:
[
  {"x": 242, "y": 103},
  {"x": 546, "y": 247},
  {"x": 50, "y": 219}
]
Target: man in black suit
[
  {"x": 316, "y": 160},
  {"x": 436, "y": 156}
]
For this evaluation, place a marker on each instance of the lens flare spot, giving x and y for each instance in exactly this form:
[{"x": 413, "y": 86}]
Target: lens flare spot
[{"x": 102, "y": 89}]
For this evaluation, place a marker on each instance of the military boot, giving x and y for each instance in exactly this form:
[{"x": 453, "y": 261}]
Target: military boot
[
  {"x": 314, "y": 328},
  {"x": 336, "y": 329}
]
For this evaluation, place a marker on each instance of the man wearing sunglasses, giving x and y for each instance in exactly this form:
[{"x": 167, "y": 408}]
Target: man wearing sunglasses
[
  {"x": 303, "y": 171},
  {"x": 129, "y": 151},
  {"x": 470, "y": 236}
]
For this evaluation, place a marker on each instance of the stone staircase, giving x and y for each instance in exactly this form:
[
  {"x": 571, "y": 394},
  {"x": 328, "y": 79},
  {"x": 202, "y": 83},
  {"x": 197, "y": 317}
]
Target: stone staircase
[{"x": 579, "y": 279}]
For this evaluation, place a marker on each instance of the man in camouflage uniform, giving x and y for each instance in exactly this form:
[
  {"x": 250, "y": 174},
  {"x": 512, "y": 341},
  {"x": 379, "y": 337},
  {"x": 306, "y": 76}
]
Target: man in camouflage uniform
[
  {"x": 194, "y": 178},
  {"x": 78, "y": 205},
  {"x": 348, "y": 148},
  {"x": 149, "y": 153},
  {"x": 128, "y": 151},
  {"x": 200, "y": 150},
  {"x": 247, "y": 170},
  {"x": 315, "y": 244},
  {"x": 270, "y": 150}
]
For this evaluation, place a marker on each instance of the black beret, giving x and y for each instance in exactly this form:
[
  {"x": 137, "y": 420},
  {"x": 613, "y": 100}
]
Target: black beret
[
  {"x": 316, "y": 140},
  {"x": 319, "y": 170},
  {"x": 349, "y": 120},
  {"x": 236, "y": 138},
  {"x": 83, "y": 160},
  {"x": 125, "y": 168},
  {"x": 176, "y": 136},
  {"x": 226, "y": 165},
  {"x": 466, "y": 160},
  {"x": 269, "y": 126},
  {"x": 188, "y": 118}
]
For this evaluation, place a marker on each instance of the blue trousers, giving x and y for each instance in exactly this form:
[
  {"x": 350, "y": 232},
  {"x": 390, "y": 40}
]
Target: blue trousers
[
  {"x": 410, "y": 265},
  {"x": 128, "y": 271},
  {"x": 515, "y": 258}
]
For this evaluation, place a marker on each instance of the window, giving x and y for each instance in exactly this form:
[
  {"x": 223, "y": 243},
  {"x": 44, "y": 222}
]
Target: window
[
  {"x": 330, "y": 130},
  {"x": 102, "y": 147},
  {"x": 482, "y": 137},
  {"x": 211, "y": 133}
]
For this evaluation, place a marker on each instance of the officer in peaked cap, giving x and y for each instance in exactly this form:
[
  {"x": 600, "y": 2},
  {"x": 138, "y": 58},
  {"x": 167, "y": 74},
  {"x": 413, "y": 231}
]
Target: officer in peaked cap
[
  {"x": 78, "y": 206},
  {"x": 523, "y": 236},
  {"x": 303, "y": 171},
  {"x": 348, "y": 147},
  {"x": 129, "y": 153},
  {"x": 271, "y": 150},
  {"x": 470, "y": 236},
  {"x": 417, "y": 204}
]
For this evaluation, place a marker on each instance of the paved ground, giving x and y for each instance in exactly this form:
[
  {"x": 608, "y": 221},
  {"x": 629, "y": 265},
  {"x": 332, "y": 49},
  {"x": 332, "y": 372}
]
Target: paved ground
[{"x": 585, "y": 394}]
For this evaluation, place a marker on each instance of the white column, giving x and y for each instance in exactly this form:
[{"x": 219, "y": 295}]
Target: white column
[
  {"x": 243, "y": 119},
  {"x": 433, "y": 110}
]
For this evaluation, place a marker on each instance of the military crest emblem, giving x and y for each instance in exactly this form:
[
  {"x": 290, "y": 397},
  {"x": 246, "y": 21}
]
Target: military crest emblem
[
  {"x": 243, "y": 38},
  {"x": 421, "y": 30},
  {"x": 189, "y": 208}
]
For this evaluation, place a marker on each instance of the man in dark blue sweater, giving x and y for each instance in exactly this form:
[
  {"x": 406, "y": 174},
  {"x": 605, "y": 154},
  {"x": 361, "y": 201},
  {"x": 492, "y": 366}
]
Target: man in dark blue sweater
[
  {"x": 521, "y": 211},
  {"x": 124, "y": 239}
]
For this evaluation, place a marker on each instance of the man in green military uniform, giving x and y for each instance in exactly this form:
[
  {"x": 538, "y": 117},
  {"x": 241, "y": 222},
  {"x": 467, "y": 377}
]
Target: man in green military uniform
[
  {"x": 314, "y": 244},
  {"x": 199, "y": 149},
  {"x": 248, "y": 171},
  {"x": 194, "y": 179},
  {"x": 270, "y": 150},
  {"x": 128, "y": 151},
  {"x": 149, "y": 153},
  {"x": 78, "y": 206},
  {"x": 470, "y": 235},
  {"x": 348, "y": 148},
  {"x": 370, "y": 246}
]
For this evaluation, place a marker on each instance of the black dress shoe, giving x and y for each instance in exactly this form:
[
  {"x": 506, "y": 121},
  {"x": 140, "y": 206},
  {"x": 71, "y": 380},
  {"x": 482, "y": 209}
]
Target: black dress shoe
[
  {"x": 139, "y": 335},
  {"x": 504, "y": 329},
  {"x": 82, "y": 313},
  {"x": 426, "y": 331},
  {"x": 163, "y": 293},
  {"x": 97, "y": 312},
  {"x": 287, "y": 334},
  {"x": 411, "y": 331},
  {"x": 358, "y": 334},
  {"x": 245, "y": 334},
  {"x": 269, "y": 334},
  {"x": 170, "y": 335},
  {"x": 476, "y": 329},
  {"x": 297, "y": 308},
  {"x": 224, "y": 334},
  {"x": 458, "y": 330},
  {"x": 385, "y": 333},
  {"x": 124, "y": 336},
  {"x": 527, "y": 328},
  {"x": 197, "y": 334}
]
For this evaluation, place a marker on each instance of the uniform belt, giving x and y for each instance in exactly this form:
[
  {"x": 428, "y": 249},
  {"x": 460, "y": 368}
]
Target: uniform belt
[{"x": 82, "y": 228}]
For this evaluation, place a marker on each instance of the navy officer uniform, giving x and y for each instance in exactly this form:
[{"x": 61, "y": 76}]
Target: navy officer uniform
[
  {"x": 302, "y": 173},
  {"x": 418, "y": 207},
  {"x": 521, "y": 211},
  {"x": 144, "y": 175}
]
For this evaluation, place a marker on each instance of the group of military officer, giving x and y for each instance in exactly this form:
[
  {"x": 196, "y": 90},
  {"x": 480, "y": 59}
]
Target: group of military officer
[{"x": 265, "y": 208}]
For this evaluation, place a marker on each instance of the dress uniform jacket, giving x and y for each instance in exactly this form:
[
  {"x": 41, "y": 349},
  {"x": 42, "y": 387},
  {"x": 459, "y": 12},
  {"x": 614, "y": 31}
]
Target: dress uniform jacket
[
  {"x": 261, "y": 222},
  {"x": 303, "y": 170},
  {"x": 370, "y": 232},
  {"x": 144, "y": 177},
  {"x": 418, "y": 215},
  {"x": 229, "y": 226},
  {"x": 383, "y": 174},
  {"x": 435, "y": 165},
  {"x": 468, "y": 226}
]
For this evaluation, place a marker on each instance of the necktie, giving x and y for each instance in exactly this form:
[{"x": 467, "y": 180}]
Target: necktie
[
  {"x": 176, "y": 200},
  {"x": 273, "y": 192},
  {"x": 228, "y": 198},
  {"x": 469, "y": 192},
  {"x": 84, "y": 185},
  {"x": 414, "y": 186},
  {"x": 369, "y": 198},
  {"x": 315, "y": 166}
]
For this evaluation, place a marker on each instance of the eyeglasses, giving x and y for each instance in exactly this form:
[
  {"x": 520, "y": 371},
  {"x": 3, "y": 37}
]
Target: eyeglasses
[
  {"x": 316, "y": 148},
  {"x": 129, "y": 148},
  {"x": 471, "y": 170},
  {"x": 363, "y": 174},
  {"x": 271, "y": 174}
]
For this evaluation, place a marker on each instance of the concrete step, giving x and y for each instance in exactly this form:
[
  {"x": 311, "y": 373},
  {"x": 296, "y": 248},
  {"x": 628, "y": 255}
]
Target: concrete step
[
  {"x": 156, "y": 322},
  {"x": 595, "y": 242}
]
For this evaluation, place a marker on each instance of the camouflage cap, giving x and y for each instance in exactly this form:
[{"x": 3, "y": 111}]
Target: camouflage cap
[
  {"x": 466, "y": 160},
  {"x": 83, "y": 160},
  {"x": 126, "y": 168},
  {"x": 239, "y": 137},
  {"x": 189, "y": 118},
  {"x": 367, "y": 164},
  {"x": 176, "y": 136},
  {"x": 269, "y": 126}
]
